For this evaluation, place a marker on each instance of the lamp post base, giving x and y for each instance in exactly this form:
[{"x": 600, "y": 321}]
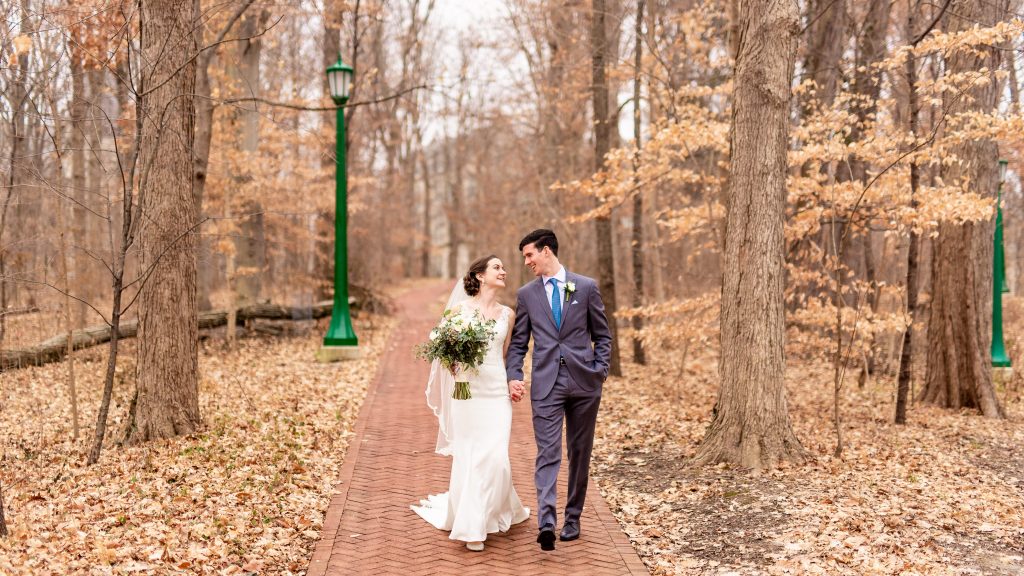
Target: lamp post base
[
  {"x": 338, "y": 353},
  {"x": 1001, "y": 375}
]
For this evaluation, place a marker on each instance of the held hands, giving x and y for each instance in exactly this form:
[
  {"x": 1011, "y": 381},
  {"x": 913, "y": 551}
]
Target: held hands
[
  {"x": 516, "y": 390},
  {"x": 455, "y": 370}
]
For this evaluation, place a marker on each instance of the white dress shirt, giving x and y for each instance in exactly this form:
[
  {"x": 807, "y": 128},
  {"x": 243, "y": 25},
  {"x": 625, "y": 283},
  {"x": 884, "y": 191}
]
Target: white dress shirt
[{"x": 560, "y": 278}]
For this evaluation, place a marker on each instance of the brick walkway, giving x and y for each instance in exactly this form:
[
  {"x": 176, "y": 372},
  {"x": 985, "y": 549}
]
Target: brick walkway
[{"x": 369, "y": 528}]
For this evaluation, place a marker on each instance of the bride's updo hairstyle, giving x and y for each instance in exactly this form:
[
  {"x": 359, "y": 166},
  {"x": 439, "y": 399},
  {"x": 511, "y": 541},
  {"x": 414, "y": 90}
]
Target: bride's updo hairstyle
[{"x": 470, "y": 282}]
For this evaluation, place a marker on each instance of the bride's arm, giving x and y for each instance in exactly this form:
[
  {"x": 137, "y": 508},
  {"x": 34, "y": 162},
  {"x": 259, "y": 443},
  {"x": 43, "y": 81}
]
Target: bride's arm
[{"x": 508, "y": 339}]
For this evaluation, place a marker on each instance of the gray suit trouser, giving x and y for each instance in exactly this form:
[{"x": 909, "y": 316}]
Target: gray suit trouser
[{"x": 578, "y": 407}]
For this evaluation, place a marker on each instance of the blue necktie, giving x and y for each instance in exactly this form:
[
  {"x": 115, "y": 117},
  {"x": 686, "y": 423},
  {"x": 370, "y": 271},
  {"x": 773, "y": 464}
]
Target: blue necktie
[{"x": 556, "y": 303}]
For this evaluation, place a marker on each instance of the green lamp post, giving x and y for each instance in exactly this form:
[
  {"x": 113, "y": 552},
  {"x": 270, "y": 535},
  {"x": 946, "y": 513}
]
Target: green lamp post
[
  {"x": 340, "y": 342},
  {"x": 999, "y": 357}
]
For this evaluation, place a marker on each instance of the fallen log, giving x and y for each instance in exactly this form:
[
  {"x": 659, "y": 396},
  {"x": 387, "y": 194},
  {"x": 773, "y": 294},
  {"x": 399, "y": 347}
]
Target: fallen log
[
  {"x": 54, "y": 349},
  {"x": 20, "y": 311}
]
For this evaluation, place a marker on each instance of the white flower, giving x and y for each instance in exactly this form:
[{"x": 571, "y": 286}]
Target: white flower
[{"x": 433, "y": 334}]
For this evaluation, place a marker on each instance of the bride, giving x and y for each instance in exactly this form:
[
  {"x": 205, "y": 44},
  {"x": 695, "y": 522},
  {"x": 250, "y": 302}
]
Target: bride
[{"x": 475, "y": 433}]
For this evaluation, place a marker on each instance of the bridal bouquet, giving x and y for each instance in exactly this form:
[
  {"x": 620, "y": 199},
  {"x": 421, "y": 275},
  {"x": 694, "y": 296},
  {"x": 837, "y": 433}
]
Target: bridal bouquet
[{"x": 460, "y": 343}]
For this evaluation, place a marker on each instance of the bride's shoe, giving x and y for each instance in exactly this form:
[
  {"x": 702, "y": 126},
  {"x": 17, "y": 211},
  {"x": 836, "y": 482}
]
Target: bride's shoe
[{"x": 475, "y": 546}]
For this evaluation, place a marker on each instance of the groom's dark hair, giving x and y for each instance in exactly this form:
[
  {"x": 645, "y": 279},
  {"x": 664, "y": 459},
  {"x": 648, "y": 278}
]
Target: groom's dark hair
[{"x": 541, "y": 238}]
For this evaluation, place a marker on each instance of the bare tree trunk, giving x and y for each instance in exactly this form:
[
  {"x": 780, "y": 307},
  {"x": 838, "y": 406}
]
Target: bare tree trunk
[
  {"x": 455, "y": 166},
  {"x": 250, "y": 242},
  {"x": 62, "y": 226},
  {"x": 653, "y": 241},
  {"x": 602, "y": 135},
  {"x": 19, "y": 96},
  {"x": 79, "y": 109},
  {"x": 3, "y": 519},
  {"x": 454, "y": 169},
  {"x": 750, "y": 422},
  {"x": 115, "y": 325},
  {"x": 1011, "y": 64},
  {"x": 201, "y": 147},
  {"x": 200, "y": 165},
  {"x": 907, "y": 350},
  {"x": 427, "y": 206},
  {"x": 959, "y": 373},
  {"x": 638, "y": 200},
  {"x": 870, "y": 49},
  {"x": 167, "y": 397},
  {"x": 129, "y": 215},
  {"x": 826, "y": 32}
]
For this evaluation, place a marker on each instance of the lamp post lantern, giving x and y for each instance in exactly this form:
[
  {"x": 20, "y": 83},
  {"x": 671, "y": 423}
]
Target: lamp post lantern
[
  {"x": 340, "y": 342},
  {"x": 999, "y": 357}
]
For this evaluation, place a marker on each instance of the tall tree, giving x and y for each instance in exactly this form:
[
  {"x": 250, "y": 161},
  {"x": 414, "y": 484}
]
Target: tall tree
[
  {"x": 19, "y": 95},
  {"x": 913, "y": 250},
  {"x": 959, "y": 373},
  {"x": 602, "y": 143},
  {"x": 250, "y": 242},
  {"x": 826, "y": 32},
  {"x": 638, "y": 199},
  {"x": 870, "y": 49},
  {"x": 167, "y": 396},
  {"x": 750, "y": 422},
  {"x": 203, "y": 137},
  {"x": 3, "y": 519},
  {"x": 79, "y": 109}
]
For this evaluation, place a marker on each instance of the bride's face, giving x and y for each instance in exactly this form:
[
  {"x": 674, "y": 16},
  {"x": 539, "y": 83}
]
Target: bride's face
[{"x": 494, "y": 275}]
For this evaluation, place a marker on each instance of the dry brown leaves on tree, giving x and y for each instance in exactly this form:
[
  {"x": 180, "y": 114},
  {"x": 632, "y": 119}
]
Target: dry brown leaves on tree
[{"x": 246, "y": 494}]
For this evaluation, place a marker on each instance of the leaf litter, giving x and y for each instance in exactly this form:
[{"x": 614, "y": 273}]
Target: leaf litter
[
  {"x": 942, "y": 495},
  {"x": 245, "y": 495}
]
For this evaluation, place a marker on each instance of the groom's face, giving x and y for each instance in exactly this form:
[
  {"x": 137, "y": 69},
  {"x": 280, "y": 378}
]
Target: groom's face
[{"x": 538, "y": 261}]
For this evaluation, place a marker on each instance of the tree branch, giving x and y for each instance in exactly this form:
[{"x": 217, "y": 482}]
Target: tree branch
[{"x": 305, "y": 108}]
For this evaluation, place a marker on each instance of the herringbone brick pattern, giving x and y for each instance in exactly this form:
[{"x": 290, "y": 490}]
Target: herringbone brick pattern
[{"x": 369, "y": 528}]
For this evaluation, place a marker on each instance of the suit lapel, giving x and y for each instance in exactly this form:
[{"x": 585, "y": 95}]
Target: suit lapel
[
  {"x": 567, "y": 302},
  {"x": 545, "y": 304}
]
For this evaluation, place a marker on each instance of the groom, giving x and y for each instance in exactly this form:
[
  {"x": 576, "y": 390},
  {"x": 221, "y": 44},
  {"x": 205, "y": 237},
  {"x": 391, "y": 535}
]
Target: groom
[{"x": 571, "y": 350}]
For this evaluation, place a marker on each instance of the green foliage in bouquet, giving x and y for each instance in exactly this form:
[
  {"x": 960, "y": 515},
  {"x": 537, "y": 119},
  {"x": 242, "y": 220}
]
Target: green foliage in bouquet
[{"x": 459, "y": 342}]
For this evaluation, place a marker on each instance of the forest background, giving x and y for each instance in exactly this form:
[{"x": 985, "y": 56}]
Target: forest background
[{"x": 618, "y": 124}]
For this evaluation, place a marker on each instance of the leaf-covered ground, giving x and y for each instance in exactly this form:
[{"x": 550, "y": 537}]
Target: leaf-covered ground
[
  {"x": 942, "y": 495},
  {"x": 246, "y": 494}
]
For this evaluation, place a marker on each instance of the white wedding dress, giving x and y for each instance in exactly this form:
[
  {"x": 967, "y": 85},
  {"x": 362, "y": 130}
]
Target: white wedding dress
[{"x": 480, "y": 498}]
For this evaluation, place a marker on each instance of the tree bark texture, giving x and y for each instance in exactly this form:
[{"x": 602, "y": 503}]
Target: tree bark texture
[
  {"x": 18, "y": 128},
  {"x": 200, "y": 167},
  {"x": 79, "y": 110},
  {"x": 750, "y": 422},
  {"x": 638, "y": 200},
  {"x": 602, "y": 143},
  {"x": 168, "y": 372},
  {"x": 3, "y": 519},
  {"x": 867, "y": 82},
  {"x": 826, "y": 35},
  {"x": 959, "y": 373},
  {"x": 250, "y": 242},
  {"x": 913, "y": 253}
]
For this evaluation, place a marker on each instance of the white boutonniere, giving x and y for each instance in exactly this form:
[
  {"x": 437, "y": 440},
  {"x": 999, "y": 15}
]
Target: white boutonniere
[{"x": 570, "y": 289}]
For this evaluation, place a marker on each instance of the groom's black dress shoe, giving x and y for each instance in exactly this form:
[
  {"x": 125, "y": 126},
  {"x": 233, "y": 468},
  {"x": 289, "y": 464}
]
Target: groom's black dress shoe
[
  {"x": 547, "y": 540},
  {"x": 570, "y": 531}
]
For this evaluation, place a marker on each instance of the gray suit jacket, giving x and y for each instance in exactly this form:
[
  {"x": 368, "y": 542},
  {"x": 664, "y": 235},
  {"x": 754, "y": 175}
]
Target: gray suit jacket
[{"x": 583, "y": 340}]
